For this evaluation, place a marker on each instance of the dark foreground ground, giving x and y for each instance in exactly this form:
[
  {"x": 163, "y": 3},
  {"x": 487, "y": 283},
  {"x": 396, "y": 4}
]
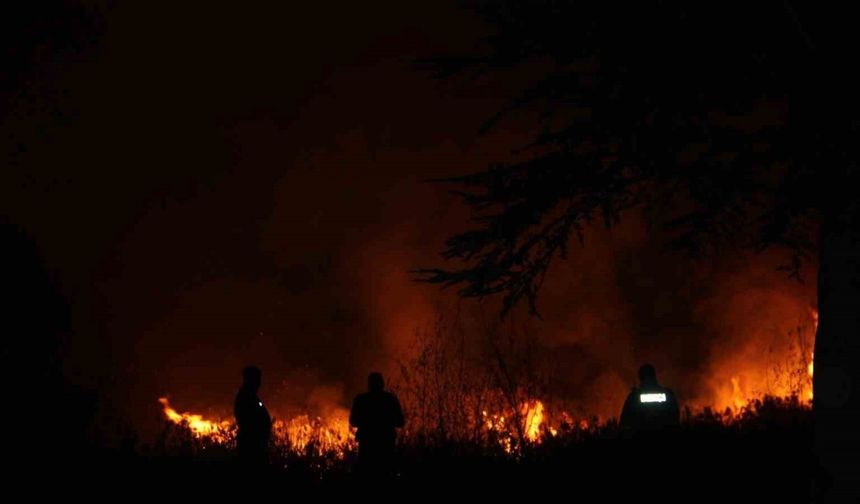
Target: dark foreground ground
[{"x": 763, "y": 457}]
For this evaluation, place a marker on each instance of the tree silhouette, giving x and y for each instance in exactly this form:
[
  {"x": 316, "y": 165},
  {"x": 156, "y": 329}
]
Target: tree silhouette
[{"x": 727, "y": 124}]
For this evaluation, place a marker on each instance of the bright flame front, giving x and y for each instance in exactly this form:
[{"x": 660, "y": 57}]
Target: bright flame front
[
  {"x": 216, "y": 430},
  {"x": 300, "y": 434}
]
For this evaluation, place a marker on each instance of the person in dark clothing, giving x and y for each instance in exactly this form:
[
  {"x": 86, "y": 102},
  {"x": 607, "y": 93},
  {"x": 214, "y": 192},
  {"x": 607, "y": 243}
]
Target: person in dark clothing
[
  {"x": 376, "y": 414},
  {"x": 253, "y": 420},
  {"x": 650, "y": 407}
]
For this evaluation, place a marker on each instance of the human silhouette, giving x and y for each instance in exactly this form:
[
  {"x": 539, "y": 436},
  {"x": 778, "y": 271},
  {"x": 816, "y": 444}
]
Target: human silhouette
[
  {"x": 650, "y": 408},
  {"x": 377, "y": 415},
  {"x": 253, "y": 420}
]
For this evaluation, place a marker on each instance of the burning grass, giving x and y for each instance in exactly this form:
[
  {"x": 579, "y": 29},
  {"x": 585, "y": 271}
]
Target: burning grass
[
  {"x": 508, "y": 410},
  {"x": 763, "y": 449},
  {"x": 498, "y": 433},
  {"x": 482, "y": 425}
]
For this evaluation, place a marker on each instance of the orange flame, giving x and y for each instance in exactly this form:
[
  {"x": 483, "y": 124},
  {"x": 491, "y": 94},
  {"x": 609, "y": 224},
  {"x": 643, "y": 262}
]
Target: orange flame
[
  {"x": 810, "y": 366},
  {"x": 323, "y": 435},
  {"x": 734, "y": 385},
  {"x": 532, "y": 414},
  {"x": 331, "y": 434},
  {"x": 782, "y": 372},
  {"x": 215, "y": 430}
]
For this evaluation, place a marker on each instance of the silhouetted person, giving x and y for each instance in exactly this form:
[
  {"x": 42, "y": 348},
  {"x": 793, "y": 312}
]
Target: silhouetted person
[
  {"x": 253, "y": 420},
  {"x": 376, "y": 414},
  {"x": 650, "y": 408}
]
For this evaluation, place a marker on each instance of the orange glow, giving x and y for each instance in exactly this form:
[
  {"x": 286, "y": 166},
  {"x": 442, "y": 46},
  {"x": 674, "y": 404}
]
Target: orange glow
[
  {"x": 532, "y": 413},
  {"x": 535, "y": 424},
  {"x": 213, "y": 429},
  {"x": 779, "y": 367},
  {"x": 321, "y": 435},
  {"x": 300, "y": 434},
  {"x": 782, "y": 371},
  {"x": 810, "y": 366}
]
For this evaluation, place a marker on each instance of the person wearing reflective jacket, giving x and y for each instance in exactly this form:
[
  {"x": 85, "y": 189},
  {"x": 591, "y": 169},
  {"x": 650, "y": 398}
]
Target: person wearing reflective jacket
[{"x": 650, "y": 407}]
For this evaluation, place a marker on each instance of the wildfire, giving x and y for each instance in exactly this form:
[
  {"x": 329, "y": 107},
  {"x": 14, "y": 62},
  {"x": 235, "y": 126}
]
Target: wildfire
[
  {"x": 810, "y": 366},
  {"x": 534, "y": 424},
  {"x": 748, "y": 375},
  {"x": 199, "y": 426},
  {"x": 532, "y": 413},
  {"x": 301, "y": 433},
  {"x": 331, "y": 434},
  {"x": 782, "y": 371}
]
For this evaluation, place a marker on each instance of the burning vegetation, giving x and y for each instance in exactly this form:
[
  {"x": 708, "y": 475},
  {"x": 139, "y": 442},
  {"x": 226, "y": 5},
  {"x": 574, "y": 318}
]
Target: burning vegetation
[
  {"x": 303, "y": 433},
  {"x": 516, "y": 412}
]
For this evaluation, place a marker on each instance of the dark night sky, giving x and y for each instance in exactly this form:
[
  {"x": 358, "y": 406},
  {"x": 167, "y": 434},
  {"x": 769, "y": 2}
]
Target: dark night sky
[{"x": 213, "y": 186}]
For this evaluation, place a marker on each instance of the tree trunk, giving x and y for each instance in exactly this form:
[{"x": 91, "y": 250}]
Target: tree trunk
[{"x": 836, "y": 381}]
